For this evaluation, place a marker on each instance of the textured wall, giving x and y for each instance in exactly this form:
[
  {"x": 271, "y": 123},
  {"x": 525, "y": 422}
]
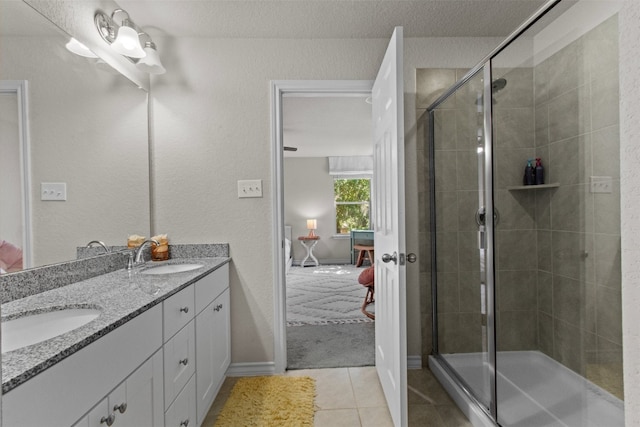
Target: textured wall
[
  {"x": 630, "y": 203},
  {"x": 211, "y": 125},
  {"x": 308, "y": 193}
]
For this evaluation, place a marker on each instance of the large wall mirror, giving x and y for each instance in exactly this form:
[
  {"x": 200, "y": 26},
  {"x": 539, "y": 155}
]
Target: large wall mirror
[{"x": 87, "y": 127}]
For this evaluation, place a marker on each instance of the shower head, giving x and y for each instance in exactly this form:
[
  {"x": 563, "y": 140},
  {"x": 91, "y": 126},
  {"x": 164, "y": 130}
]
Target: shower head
[{"x": 498, "y": 84}]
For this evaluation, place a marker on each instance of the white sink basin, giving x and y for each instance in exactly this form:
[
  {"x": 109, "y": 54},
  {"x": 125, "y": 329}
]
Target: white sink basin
[
  {"x": 34, "y": 328},
  {"x": 171, "y": 268}
]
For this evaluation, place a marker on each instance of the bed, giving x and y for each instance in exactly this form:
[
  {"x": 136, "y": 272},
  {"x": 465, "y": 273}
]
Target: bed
[{"x": 287, "y": 248}]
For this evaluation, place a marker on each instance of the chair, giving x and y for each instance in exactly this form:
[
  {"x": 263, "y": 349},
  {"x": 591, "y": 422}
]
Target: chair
[
  {"x": 362, "y": 250},
  {"x": 367, "y": 279}
]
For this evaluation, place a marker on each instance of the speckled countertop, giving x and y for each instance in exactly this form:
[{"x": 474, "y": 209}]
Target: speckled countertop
[{"x": 120, "y": 295}]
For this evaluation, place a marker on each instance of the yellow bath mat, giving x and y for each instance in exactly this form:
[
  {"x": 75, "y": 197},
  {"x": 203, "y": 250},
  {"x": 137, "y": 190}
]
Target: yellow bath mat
[{"x": 270, "y": 401}]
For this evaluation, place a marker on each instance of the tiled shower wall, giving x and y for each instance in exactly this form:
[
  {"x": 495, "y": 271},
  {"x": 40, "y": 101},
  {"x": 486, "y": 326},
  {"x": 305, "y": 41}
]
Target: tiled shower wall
[
  {"x": 558, "y": 249},
  {"x": 579, "y": 281}
]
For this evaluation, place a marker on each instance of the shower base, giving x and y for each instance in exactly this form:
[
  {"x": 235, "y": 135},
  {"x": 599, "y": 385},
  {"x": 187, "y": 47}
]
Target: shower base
[{"x": 533, "y": 390}]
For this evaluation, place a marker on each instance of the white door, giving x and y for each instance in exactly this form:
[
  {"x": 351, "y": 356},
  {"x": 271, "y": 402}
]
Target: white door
[{"x": 388, "y": 134}]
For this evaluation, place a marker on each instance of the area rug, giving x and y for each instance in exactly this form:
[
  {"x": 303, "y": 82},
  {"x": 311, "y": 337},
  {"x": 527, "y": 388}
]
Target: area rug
[
  {"x": 327, "y": 294},
  {"x": 331, "y": 346},
  {"x": 269, "y": 402}
]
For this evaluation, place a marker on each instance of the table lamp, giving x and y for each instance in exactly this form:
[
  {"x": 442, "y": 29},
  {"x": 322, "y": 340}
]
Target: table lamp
[{"x": 311, "y": 226}]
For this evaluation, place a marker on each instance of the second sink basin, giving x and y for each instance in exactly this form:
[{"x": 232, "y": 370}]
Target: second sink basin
[
  {"x": 34, "y": 328},
  {"x": 171, "y": 268}
]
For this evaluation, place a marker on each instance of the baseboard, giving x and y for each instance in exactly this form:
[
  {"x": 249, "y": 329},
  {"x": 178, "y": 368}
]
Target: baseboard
[
  {"x": 251, "y": 369},
  {"x": 414, "y": 362}
]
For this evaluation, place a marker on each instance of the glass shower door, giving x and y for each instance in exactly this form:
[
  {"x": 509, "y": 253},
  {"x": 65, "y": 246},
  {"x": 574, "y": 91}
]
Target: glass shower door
[{"x": 458, "y": 180}]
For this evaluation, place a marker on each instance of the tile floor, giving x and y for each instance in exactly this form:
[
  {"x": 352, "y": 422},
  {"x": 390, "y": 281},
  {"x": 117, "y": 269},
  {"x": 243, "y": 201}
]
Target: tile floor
[{"x": 352, "y": 397}]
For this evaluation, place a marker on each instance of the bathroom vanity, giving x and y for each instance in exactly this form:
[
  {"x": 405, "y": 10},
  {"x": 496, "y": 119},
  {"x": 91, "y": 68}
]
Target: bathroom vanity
[{"x": 156, "y": 355}]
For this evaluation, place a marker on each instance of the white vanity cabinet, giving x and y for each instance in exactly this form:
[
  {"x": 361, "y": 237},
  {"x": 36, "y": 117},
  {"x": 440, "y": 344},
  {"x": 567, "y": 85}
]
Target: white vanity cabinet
[
  {"x": 67, "y": 391},
  {"x": 166, "y": 365},
  {"x": 213, "y": 337},
  {"x": 136, "y": 402}
]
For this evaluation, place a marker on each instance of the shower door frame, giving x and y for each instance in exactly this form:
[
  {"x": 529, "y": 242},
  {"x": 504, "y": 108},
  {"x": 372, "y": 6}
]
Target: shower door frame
[
  {"x": 487, "y": 204},
  {"x": 485, "y": 65}
]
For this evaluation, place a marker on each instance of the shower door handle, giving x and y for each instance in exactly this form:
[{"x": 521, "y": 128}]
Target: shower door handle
[{"x": 481, "y": 216}]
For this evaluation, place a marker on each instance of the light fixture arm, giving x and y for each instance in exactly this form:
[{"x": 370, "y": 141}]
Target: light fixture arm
[
  {"x": 107, "y": 26},
  {"x": 121, "y": 39}
]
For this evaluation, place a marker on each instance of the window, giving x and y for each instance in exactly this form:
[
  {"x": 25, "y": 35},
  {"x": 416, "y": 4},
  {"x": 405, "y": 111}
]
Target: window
[{"x": 353, "y": 201}]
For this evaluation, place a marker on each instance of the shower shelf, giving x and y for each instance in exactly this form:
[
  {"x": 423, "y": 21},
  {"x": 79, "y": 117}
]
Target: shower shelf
[{"x": 533, "y": 187}]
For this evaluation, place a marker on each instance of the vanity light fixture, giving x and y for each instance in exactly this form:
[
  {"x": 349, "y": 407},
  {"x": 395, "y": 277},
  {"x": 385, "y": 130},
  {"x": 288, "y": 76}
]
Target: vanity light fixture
[
  {"x": 123, "y": 38},
  {"x": 78, "y": 48},
  {"x": 151, "y": 63}
]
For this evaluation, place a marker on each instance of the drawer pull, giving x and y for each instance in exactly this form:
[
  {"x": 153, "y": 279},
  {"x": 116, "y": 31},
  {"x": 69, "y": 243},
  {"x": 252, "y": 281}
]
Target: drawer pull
[
  {"x": 217, "y": 307},
  {"x": 184, "y": 310},
  {"x": 184, "y": 361},
  {"x": 108, "y": 420},
  {"x": 184, "y": 423},
  {"x": 121, "y": 407}
]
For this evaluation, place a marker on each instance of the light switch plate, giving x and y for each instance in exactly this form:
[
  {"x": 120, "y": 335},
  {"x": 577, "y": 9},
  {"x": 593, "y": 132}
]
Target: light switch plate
[
  {"x": 601, "y": 184},
  {"x": 249, "y": 188},
  {"x": 53, "y": 191}
]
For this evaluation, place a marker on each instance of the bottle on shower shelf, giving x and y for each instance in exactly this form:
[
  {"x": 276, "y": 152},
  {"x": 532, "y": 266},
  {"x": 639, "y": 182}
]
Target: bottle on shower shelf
[
  {"x": 539, "y": 172},
  {"x": 529, "y": 173}
]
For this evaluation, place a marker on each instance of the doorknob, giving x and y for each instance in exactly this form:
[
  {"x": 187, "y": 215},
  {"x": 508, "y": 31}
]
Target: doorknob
[
  {"x": 412, "y": 257},
  {"x": 387, "y": 258}
]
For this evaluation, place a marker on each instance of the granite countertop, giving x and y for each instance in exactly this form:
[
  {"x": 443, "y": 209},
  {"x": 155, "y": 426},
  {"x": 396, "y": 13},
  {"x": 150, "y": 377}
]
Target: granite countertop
[{"x": 120, "y": 295}]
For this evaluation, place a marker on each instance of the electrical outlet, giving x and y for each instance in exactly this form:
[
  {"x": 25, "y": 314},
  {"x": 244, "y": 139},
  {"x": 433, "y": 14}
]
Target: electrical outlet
[
  {"x": 249, "y": 188},
  {"x": 601, "y": 184},
  {"x": 53, "y": 191}
]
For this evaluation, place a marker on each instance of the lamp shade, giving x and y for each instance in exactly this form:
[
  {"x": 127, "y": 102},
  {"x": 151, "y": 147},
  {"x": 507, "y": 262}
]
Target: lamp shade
[
  {"x": 312, "y": 224},
  {"x": 127, "y": 42},
  {"x": 79, "y": 49},
  {"x": 151, "y": 63}
]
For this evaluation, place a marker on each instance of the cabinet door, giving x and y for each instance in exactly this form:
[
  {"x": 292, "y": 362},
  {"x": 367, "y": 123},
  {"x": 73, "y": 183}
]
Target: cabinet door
[
  {"x": 144, "y": 403},
  {"x": 101, "y": 415},
  {"x": 97, "y": 417},
  {"x": 179, "y": 362},
  {"x": 137, "y": 402},
  {"x": 182, "y": 412},
  {"x": 213, "y": 351}
]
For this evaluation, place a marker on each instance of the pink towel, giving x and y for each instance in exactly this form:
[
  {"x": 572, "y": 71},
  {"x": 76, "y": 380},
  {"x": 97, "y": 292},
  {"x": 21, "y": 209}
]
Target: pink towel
[{"x": 10, "y": 257}]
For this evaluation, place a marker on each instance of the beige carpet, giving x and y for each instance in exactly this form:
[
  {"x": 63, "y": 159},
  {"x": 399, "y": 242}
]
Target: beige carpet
[{"x": 270, "y": 401}]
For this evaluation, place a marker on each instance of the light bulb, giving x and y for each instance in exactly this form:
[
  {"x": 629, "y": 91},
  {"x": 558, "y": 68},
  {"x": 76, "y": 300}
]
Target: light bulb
[{"x": 127, "y": 42}]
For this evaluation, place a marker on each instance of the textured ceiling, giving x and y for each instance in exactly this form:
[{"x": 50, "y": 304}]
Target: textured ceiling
[
  {"x": 327, "y": 126},
  {"x": 329, "y": 18}
]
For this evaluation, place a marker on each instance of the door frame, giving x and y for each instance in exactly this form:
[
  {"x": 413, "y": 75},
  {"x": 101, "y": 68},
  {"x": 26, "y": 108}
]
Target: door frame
[
  {"x": 279, "y": 89},
  {"x": 20, "y": 89}
]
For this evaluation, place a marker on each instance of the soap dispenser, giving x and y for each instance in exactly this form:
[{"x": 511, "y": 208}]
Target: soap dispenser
[
  {"x": 539, "y": 172},
  {"x": 529, "y": 172}
]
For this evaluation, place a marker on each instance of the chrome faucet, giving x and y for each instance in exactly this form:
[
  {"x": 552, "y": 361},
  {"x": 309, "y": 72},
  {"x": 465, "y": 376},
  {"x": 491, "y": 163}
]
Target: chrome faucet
[
  {"x": 139, "y": 249},
  {"x": 98, "y": 243}
]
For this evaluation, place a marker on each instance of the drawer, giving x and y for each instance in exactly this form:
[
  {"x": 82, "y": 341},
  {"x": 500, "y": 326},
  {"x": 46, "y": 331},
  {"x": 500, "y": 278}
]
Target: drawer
[
  {"x": 210, "y": 286},
  {"x": 183, "y": 411},
  {"x": 178, "y": 311},
  {"x": 179, "y": 362}
]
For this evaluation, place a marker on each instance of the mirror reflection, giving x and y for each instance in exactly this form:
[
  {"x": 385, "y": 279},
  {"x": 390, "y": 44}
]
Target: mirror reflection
[{"x": 74, "y": 165}]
